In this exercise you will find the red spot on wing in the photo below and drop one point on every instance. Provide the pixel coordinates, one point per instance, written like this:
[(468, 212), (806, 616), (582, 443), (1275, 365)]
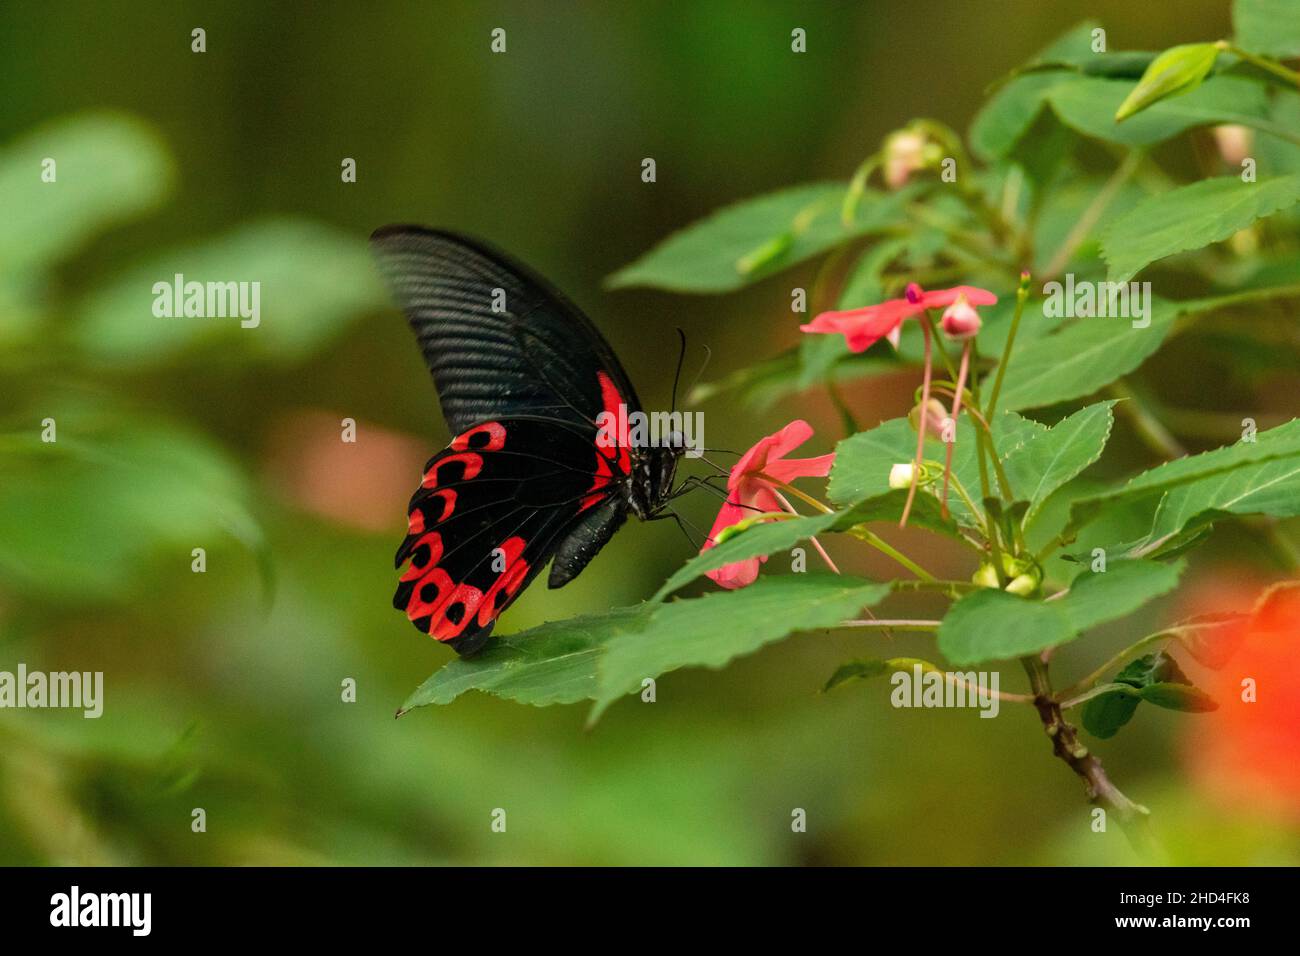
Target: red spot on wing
[(473, 465), (495, 438), (430, 591), (452, 616), (433, 541), (448, 498), (415, 522)]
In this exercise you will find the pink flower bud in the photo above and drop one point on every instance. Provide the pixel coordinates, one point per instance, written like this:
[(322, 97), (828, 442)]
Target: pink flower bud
[(905, 154), (934, 421), (960, 320)]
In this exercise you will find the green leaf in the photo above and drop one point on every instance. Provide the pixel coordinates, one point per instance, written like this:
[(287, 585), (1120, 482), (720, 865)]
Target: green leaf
[(1097, 597), (1282, 442), (1090, 353), (1267, 27), (313, 280), (1048, 460), (1279, 442), (1011, 111), (1190, 217), (110, 168), (1179, 697), (870, 667), (1267, 487), (1088, 105), (703, 257), (1156, 678), (992, 625), (713, 630), (1178, 70), (761, 539), (1104, 715), (858, 670), (554, 663)]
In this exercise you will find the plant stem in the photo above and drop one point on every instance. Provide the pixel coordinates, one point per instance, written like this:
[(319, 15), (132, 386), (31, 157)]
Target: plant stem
[(1264, 63), (1084, 224), (1065, 744), (1149, 428), (894, 625), (884, 547), (1022, 296), (920, 436)]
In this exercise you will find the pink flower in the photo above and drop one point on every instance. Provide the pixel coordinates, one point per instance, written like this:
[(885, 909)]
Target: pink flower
[(751, 490), (863, 328)]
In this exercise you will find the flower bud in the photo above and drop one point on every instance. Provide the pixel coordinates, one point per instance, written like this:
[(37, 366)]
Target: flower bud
[(960, 320), (900, 476), (1024, 576), (905, 154), (935, 419), (1023, 585)]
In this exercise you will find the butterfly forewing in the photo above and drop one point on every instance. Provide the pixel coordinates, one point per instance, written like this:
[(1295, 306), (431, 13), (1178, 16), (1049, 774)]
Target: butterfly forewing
[(499, 340)]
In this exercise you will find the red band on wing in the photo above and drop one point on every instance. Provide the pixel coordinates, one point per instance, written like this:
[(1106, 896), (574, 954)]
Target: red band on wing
[(607, 454)]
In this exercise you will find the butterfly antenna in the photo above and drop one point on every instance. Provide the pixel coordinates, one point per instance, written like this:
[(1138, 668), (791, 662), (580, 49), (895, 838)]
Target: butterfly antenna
[(708, 354), (681, 357)]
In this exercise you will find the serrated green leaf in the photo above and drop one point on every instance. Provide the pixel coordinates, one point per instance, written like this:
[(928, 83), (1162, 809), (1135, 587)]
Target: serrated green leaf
[(713, 630), (1268, 27), (1282, 442), (1174, 72), (703, 257), (759, 540), (1268, 487), (1050, 459), (1090, 353), (992, 625), (553, 663), (1190, 217), (1097, 597), (110, 168)]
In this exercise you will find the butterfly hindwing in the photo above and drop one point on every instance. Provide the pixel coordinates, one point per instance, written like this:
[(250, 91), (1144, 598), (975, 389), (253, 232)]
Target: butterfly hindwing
[(491, 510)]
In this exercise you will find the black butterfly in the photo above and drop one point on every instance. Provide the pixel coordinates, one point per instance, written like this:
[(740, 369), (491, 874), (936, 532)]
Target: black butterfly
[(522, 376)]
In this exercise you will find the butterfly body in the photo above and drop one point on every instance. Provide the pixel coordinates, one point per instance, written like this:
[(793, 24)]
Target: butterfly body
[(541, 468)]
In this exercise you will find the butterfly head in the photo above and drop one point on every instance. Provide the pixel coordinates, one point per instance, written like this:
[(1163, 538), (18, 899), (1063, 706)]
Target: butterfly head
[(653, 475)]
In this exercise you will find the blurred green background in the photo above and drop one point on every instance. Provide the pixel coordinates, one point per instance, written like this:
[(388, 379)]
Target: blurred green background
[(223, 689)]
